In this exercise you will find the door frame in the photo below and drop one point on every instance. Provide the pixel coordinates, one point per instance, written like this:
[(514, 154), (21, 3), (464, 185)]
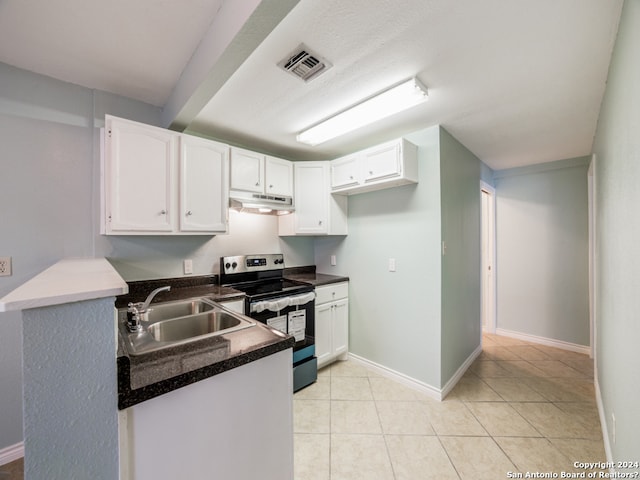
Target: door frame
[(591, 188), (488, 289)]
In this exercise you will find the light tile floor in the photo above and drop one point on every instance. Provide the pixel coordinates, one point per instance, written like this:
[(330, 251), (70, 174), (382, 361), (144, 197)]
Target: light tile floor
[(520, 407)]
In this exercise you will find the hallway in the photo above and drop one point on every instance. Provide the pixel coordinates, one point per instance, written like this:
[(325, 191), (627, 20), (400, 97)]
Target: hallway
[(521, 407)]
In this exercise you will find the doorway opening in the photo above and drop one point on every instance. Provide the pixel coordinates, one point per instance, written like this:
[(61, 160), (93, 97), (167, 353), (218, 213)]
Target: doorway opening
[(488, 257)]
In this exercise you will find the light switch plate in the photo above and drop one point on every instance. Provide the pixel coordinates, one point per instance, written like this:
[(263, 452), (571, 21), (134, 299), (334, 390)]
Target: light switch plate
[(392, 264)]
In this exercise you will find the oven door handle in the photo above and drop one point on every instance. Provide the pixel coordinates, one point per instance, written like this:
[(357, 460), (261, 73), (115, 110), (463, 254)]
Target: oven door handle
[(302, 299), (278, 304)]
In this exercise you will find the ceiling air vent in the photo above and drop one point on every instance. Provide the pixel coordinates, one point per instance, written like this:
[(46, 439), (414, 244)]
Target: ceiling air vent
[(304, 63)]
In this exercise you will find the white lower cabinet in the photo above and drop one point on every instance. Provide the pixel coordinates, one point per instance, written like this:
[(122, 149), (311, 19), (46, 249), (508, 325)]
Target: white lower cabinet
[(332, 322)]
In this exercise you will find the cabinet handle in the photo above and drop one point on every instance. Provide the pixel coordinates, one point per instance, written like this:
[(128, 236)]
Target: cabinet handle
[(370, 172), (163, 212), (320, 222), (257, 184), (350, 177), (189, 213), (270, 186)]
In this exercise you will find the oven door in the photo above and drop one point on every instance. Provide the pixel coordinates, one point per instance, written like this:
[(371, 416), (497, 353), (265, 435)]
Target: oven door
[(294, 315)]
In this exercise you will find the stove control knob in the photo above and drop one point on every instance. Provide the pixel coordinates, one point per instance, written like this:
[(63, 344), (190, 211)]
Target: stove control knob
[(234, 264), (227, 265)]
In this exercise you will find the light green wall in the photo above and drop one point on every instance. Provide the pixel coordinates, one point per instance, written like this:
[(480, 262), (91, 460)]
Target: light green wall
[(542, 247), (395, 316), (422, 320), (617, 181), (46, 202), (460, 205)]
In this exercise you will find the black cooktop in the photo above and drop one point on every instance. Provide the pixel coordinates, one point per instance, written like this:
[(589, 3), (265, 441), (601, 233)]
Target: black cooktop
[(272, 286)]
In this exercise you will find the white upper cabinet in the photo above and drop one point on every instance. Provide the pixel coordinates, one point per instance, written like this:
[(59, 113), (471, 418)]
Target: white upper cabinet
[(388, 165), (258, 173), (317, 211), (158, 182), (140, 177), (203, 207), (278, 176), (247, 170), (345, 172)]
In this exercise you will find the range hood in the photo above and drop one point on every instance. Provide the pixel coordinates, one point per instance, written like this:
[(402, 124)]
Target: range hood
[(260, 203)]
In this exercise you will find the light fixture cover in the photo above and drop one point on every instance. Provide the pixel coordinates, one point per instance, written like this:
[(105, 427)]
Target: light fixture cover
[(384, 104)]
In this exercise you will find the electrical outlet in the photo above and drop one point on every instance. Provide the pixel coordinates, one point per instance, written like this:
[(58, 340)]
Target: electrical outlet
[(5, 266), (392, 264), (333, 261), (188, 266)]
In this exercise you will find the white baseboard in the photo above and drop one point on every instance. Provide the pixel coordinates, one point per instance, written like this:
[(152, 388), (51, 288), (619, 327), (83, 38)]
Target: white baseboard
[(460, 372), (11, 453), (433, 392), (603, 419), (405, 380), (550, 342)]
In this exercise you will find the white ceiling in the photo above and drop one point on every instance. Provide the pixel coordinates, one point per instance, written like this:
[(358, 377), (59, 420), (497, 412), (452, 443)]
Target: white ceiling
[(518, 82)]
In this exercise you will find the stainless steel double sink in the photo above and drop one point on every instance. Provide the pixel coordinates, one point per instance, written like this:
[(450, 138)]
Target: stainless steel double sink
[(180, 322)]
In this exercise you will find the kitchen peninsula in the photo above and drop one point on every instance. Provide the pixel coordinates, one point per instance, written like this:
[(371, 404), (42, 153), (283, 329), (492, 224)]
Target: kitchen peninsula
[(72, 425)]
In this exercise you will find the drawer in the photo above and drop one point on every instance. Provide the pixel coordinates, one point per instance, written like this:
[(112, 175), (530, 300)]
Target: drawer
[(329, 293)]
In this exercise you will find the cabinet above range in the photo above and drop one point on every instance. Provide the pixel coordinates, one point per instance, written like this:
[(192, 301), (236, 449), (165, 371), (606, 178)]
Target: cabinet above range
[(260, 182)]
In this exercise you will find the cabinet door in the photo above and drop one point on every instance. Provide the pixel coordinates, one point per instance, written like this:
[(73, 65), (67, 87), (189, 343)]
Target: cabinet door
[(312, 203), (203, 185), (323, 333), (344, 172), (382, 162), (247, 170), (140, 177), (340, 327), (278, 176)]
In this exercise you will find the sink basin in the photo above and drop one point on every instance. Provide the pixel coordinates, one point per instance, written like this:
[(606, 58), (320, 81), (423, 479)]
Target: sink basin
[(179, 322), (181, 308), (195, 326)]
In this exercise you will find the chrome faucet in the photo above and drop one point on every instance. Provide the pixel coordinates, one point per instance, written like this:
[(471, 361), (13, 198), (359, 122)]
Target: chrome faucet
[(138, 309)]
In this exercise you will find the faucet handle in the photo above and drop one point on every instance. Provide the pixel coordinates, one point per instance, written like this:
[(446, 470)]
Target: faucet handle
[(133, 317), (134, 307)]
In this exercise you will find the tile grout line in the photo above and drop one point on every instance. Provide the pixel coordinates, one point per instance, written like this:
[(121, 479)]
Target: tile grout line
[(384, 435)]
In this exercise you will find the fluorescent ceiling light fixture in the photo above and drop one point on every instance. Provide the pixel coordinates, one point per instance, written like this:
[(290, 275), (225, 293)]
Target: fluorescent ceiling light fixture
[(391, 101)]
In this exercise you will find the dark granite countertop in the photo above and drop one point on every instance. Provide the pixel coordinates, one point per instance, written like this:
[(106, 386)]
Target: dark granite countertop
[(308, 275), (183, 287), (142, 377)]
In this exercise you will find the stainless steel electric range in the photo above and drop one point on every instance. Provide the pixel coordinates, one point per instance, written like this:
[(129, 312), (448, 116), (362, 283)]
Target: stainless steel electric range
[(283, 304)]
